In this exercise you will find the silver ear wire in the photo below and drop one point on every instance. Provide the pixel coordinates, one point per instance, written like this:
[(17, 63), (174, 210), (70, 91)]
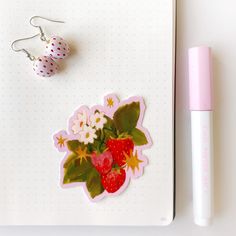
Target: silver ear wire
[(42, 35), (32, 58)]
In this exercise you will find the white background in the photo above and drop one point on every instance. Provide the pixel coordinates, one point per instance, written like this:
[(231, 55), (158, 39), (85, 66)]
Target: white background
[(211, 23)]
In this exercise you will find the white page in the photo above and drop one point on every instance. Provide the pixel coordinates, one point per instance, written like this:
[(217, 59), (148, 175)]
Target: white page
[(122, 47)]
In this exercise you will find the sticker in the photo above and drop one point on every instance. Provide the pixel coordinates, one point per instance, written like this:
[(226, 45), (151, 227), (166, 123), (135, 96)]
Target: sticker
[(103, 147)]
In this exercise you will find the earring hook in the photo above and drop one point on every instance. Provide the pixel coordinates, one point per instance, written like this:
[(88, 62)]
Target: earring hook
[(32, 58), (42, 35)]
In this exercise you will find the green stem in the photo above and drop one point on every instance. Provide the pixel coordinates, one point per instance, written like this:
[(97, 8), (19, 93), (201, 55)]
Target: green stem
[(108, 129)]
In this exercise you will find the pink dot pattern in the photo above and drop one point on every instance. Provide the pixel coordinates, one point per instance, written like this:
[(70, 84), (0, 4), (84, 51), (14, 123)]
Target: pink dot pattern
[(45, 66), (57, 48)]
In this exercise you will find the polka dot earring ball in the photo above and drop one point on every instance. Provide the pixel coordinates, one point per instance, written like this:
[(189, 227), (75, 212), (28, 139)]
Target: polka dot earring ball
[(45, 66), (56, 48)]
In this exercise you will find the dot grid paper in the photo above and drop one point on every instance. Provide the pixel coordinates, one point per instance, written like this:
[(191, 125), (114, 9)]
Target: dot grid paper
[(122, 47)]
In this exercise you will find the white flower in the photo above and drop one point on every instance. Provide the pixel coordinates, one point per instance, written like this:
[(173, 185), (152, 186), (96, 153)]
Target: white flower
[(79, 122), (87, 135), (98, 120)]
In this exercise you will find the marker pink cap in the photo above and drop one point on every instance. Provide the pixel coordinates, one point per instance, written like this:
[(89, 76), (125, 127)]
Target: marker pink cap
[(200, 79)]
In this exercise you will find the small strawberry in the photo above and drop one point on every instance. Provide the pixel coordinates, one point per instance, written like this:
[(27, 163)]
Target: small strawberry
[(102, 162), (119, 147), (113, 180)]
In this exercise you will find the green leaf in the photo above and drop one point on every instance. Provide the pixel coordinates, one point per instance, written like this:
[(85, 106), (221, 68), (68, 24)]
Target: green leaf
[(108, 134), (102, 147), (94, 184), (138, 137), (95, 146), (77, 171), (81, 178), (69, 159), (91, 147), (109, 129), (84, 171), (126, 117), (73, 145), (109, 124)]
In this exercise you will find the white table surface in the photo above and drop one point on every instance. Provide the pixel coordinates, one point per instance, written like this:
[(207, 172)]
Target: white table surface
[(210, 22)]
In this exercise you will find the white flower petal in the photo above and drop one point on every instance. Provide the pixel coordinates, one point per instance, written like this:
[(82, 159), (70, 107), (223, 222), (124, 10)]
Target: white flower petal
[(87, 135), (79, 122), (98, 120)]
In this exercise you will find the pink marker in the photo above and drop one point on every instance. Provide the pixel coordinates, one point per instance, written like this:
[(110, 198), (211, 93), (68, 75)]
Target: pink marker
[(200, 91)]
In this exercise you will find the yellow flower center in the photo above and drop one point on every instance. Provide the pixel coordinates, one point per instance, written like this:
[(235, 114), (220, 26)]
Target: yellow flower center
[(82, 154), (110, 102), (98, 119), (61, 141), (132, 161), (87, 135)]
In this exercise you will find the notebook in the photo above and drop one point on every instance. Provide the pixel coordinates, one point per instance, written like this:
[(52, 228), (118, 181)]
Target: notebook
[(94, 143)]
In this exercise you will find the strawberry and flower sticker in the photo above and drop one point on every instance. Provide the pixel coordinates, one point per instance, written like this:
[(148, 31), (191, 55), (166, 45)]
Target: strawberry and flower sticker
[(103, 147)]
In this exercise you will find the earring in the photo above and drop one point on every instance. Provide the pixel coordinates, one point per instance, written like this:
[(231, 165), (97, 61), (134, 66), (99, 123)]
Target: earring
[(43, 66), (56, 47)]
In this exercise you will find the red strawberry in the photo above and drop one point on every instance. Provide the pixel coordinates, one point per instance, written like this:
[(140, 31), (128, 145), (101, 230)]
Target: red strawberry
[(113, 180), (102, 162), (120, 147)]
